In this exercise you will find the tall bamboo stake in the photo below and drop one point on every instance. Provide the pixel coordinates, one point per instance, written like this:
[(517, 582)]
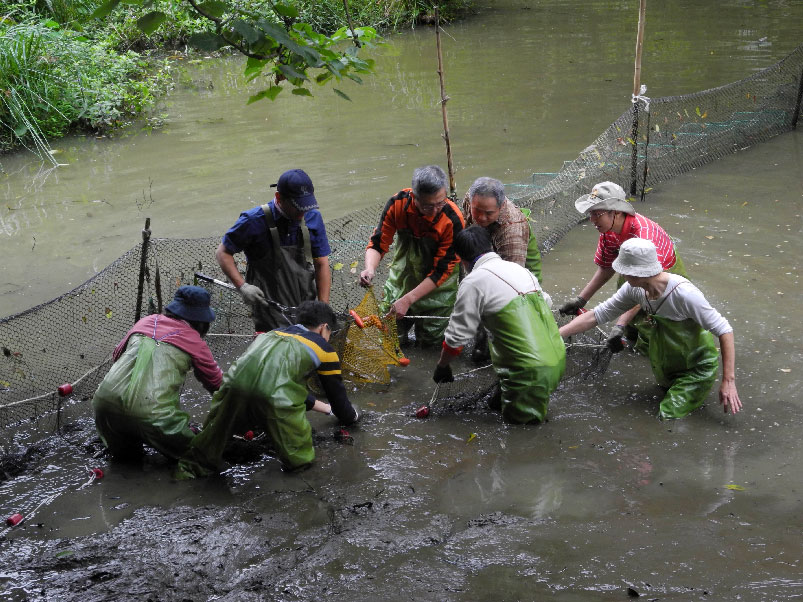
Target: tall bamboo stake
[(642, 12), (636, 90), (143, 263), (444, 99)]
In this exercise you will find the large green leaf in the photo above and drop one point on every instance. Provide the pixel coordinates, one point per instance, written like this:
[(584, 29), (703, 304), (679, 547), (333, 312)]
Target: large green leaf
[(249, 33), (291, 73), (308, 55), (301, 92), (105, 9), (207, 41), (254, 67), (151, 22), (271, 93), (286, 10), (214, 8)]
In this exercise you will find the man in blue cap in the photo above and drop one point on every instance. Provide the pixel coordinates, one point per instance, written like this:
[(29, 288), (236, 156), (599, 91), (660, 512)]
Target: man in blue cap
[(138, 400), (287, 252)]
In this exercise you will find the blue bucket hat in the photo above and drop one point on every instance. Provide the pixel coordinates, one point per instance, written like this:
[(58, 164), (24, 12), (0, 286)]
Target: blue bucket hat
[(296, 186), (192, 303)]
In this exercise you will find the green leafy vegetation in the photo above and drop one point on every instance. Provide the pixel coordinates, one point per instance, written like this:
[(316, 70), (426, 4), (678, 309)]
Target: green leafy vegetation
[(89, 65), (54, 79)]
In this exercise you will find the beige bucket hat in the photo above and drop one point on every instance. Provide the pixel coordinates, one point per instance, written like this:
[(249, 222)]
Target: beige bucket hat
[(637, 257), (605, 195)]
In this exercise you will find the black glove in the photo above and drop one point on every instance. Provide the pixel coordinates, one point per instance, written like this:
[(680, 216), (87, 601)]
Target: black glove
[(443, 374), (614, 340), (572, 307)]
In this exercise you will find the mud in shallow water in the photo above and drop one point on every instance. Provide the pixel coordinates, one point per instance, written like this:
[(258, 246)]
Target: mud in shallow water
[(460, 506)]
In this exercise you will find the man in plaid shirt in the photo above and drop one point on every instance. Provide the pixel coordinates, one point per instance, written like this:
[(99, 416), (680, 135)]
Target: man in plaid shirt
[(486, 205)]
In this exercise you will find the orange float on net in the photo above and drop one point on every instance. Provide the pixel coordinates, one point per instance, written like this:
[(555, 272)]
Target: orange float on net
[(357, 319)]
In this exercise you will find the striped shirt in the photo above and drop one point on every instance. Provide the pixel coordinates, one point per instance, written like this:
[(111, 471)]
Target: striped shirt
[(400, 213), (635, 226), (327, 366)]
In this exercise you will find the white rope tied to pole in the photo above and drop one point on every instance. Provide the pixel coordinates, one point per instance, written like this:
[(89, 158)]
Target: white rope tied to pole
[(642, 97)]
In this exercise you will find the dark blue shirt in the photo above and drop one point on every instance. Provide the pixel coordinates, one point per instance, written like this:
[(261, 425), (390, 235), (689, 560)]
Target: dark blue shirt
[(250, 232)]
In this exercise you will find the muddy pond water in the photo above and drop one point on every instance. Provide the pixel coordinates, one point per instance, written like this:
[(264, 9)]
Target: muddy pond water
[(601, 498)]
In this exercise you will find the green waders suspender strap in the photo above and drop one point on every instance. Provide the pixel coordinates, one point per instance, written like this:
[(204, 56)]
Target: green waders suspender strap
[(273, 232)]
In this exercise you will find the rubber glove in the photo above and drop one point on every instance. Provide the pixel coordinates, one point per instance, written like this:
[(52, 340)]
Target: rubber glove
[(443, 374), (252, 295), (614, 340), (572, 307)]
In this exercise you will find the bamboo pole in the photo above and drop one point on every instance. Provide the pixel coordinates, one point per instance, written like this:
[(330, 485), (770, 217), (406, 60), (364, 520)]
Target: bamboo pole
[(642, 13), (444, 99), (636, 90), (143, 259)]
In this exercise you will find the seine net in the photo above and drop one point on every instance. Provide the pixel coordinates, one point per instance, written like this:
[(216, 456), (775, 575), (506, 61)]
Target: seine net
[(70, 339)]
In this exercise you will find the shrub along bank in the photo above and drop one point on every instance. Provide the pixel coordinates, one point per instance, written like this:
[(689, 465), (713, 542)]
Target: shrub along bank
[(62, 70)]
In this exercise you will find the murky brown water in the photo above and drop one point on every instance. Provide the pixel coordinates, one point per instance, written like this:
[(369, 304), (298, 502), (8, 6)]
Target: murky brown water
[(601, 498)]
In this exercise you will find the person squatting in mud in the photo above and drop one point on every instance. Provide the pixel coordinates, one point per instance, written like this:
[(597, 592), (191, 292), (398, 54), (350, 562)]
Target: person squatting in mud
[(681, 346), (138, 400), (527, 353), (266, 388)]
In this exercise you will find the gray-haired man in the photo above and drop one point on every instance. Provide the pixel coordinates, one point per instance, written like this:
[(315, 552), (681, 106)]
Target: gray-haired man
[(422, 278)]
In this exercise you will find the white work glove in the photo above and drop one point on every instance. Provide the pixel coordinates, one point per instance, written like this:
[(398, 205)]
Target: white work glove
[(252, 295)]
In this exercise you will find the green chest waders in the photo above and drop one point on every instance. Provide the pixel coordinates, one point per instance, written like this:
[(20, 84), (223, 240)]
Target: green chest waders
[(264, 389), (684, 358), (412, 261), (138, 400), (285, 274), (533, 261), (638, 329), (528, 356)]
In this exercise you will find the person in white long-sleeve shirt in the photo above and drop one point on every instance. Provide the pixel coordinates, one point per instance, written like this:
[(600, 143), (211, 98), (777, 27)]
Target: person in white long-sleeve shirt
[(682, 351), (527, 353)]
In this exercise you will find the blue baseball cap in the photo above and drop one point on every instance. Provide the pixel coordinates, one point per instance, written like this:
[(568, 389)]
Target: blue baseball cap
[(296, 186), (192, 303)]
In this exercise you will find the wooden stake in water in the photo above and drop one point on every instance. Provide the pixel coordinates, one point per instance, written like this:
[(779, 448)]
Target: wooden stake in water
[(636, 92), (444, 99)]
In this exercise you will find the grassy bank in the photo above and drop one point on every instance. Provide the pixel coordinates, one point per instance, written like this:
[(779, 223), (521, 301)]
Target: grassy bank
[(62, 71)]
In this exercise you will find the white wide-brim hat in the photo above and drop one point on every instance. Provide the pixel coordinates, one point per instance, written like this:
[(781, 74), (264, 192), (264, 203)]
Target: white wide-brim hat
[(637, 257), (605, 196)]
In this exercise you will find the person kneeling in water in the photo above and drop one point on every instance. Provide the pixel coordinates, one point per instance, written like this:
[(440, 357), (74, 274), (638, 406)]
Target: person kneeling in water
[(527, 353), (681, 348), (266, 388)]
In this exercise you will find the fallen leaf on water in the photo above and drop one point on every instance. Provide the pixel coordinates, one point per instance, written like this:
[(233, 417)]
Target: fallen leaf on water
[(471, 437), (353, 264), (573, 446), (785, 369), (710, 237), (734, 487), (744, 204), (337, 266), (64, 553)]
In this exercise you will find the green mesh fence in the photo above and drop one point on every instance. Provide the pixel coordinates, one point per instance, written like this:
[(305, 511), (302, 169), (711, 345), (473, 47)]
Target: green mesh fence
[(70, 339)]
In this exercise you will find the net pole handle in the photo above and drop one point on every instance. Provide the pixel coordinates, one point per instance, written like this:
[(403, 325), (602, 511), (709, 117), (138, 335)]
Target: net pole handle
[(143, 258)]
